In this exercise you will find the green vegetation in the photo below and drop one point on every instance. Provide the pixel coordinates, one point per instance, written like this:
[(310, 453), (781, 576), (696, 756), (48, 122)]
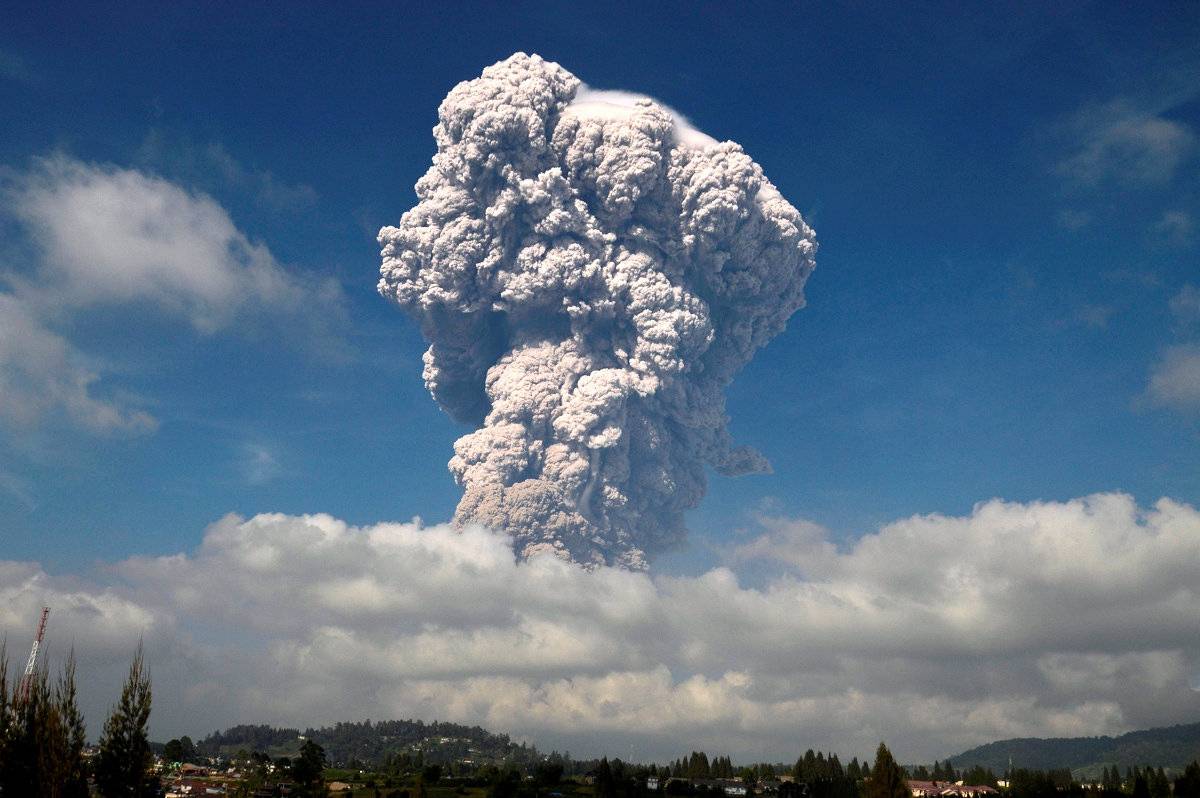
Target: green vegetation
[(42, 738), (42, 744), (887, 778), (372, 743), (123, 763), (1170, 747)]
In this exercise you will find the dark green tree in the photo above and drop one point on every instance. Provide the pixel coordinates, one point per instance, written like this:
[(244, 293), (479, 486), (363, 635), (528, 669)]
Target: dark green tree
[(73, 734), (978, 775), (606, 786), (548, 774), (506, 783), (5, 706), (887, 778), (173, 751), (123, 763), (1187, 785), (1108, 785), (27, 759), (187, 749), (1141, 787), (1031, 784), (1159, 786), (41, 736), (308, 770)]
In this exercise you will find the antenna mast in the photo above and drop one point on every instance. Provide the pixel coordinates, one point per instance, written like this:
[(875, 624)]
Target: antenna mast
[(31, 665)]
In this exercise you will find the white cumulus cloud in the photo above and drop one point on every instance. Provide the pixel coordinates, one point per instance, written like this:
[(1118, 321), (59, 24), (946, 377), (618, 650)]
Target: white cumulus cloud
[(934, 632), (106, 236)]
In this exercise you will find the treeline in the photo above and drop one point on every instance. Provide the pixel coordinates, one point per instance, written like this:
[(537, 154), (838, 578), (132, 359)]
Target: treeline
[(1172, 747), (976, 775), (304, 774), (1144, 782), (824, 775), (42, 738), (42, 735), (372, 743)]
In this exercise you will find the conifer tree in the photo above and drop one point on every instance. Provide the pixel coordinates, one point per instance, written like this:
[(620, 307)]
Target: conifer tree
[(41, 736), (5, 718), (1188, 784), (887, 778), (1159, 786), (23, 761), (74, 733), (309, 767), (1141, 788), (605, 786), (123, 764)]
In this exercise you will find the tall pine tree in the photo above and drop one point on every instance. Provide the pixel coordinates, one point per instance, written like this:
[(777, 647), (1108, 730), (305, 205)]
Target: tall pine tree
[(74, 734), (123, 764), (887, 778)]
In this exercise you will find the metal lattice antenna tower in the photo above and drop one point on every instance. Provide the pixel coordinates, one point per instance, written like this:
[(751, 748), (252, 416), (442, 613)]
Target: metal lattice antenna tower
[(31, 665)]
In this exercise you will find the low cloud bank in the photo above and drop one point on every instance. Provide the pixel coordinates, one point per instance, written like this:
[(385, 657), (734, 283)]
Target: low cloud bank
[(934, 632)]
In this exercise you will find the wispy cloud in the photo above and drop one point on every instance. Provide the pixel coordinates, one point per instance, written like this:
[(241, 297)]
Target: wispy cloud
[(257, 464), (1125, 142), (1175, 378), (107, 236), (1074, 219), (1138, 278), (17, 487), (1176, 228), (42, 373), (13, 67), (1185, 306), (212, 167), (1093, 316)]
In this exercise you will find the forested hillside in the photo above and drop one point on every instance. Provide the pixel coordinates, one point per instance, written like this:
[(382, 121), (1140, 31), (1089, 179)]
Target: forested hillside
[(372, 743), (1169, 747)]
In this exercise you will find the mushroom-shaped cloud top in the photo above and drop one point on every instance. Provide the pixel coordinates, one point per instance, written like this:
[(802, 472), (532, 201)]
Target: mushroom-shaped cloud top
[(591, 271)]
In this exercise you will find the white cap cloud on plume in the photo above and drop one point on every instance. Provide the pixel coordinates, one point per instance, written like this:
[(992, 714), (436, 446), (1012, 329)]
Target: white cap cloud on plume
[(591, 272)]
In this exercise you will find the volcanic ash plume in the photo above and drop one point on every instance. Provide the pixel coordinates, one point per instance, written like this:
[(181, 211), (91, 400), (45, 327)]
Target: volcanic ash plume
[(591, 272)]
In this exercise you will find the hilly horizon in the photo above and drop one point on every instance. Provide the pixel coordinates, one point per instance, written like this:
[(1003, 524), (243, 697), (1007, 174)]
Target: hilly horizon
[(372, 742), (1169, 747)]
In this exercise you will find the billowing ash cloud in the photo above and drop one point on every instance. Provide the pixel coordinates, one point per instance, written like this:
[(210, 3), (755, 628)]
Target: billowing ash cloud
[(591, 272)]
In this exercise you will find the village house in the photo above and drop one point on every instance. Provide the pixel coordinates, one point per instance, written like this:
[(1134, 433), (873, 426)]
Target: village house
[(728, 786), (947, 789)]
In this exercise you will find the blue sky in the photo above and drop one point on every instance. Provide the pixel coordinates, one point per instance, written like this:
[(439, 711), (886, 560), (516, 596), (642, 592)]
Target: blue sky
[(983, 321), (1005, 302)]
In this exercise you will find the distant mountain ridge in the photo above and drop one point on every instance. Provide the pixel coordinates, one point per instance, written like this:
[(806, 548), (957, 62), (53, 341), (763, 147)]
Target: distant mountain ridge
[(1171, 747)]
